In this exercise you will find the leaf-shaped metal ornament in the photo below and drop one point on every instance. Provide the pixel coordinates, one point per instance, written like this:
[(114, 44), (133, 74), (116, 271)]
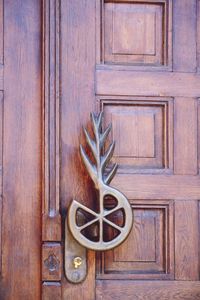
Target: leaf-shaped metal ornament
[(101, 180)]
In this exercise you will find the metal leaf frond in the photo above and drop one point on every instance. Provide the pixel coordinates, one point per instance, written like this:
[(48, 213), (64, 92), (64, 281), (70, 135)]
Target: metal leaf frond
[(97, 172)]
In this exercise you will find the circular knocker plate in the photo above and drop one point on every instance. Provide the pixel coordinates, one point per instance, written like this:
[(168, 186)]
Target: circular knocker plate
[(100, 230)]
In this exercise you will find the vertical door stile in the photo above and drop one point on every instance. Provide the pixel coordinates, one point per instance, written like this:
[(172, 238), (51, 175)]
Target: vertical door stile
[(51, 225)]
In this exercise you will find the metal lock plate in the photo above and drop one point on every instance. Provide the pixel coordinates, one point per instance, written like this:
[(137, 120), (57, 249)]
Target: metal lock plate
[(75, 258)]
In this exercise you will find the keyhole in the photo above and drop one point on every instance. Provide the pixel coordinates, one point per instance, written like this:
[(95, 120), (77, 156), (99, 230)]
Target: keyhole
[(77, 261)]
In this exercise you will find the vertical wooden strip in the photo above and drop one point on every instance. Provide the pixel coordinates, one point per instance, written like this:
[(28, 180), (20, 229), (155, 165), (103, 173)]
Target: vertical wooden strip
[(185, 136), (98, 29), (168, 27), (1, 172), (1, 125), (198, 35), (77, 78), (1, 140), (22, 150), (51, 227), (51, 291), (51, 217), (1, 31), (198, 131), (184, 36), (186, 240)]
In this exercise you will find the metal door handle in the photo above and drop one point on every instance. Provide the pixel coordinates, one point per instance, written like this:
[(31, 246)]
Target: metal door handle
[(101, 180), (78, 233)]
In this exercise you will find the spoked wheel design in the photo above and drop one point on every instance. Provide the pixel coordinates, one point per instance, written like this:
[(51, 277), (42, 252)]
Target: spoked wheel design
[(100, 219)]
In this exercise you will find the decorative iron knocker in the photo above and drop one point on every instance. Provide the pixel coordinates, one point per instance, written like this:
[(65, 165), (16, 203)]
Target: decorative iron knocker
[(101, 180)]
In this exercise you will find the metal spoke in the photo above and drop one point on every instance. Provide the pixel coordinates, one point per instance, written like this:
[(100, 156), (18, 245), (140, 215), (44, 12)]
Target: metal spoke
[(87, 224), (107, 213), (113, 225), (88, 210), (101, 230)]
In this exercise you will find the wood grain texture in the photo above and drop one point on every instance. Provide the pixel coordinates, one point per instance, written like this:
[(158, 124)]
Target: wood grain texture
[(113, 82), (1, 32), (186, 240), (51, 291), (1, 77), (184, 35), (1, 173), (185, 136), (133, 33), (145, 186), (77, 77), (198, 132), (22, 150), (198, 35), (77, 101), (147, 290)]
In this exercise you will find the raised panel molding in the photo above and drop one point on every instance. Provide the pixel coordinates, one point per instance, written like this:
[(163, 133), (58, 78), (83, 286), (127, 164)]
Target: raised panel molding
[(143, 131), (135, 32), (152, 230)]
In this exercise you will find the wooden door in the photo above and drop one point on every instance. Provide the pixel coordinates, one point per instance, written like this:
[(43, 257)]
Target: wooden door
[(138, 62)]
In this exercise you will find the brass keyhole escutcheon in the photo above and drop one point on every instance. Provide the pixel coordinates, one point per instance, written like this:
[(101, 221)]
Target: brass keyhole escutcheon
[(77, 261)]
